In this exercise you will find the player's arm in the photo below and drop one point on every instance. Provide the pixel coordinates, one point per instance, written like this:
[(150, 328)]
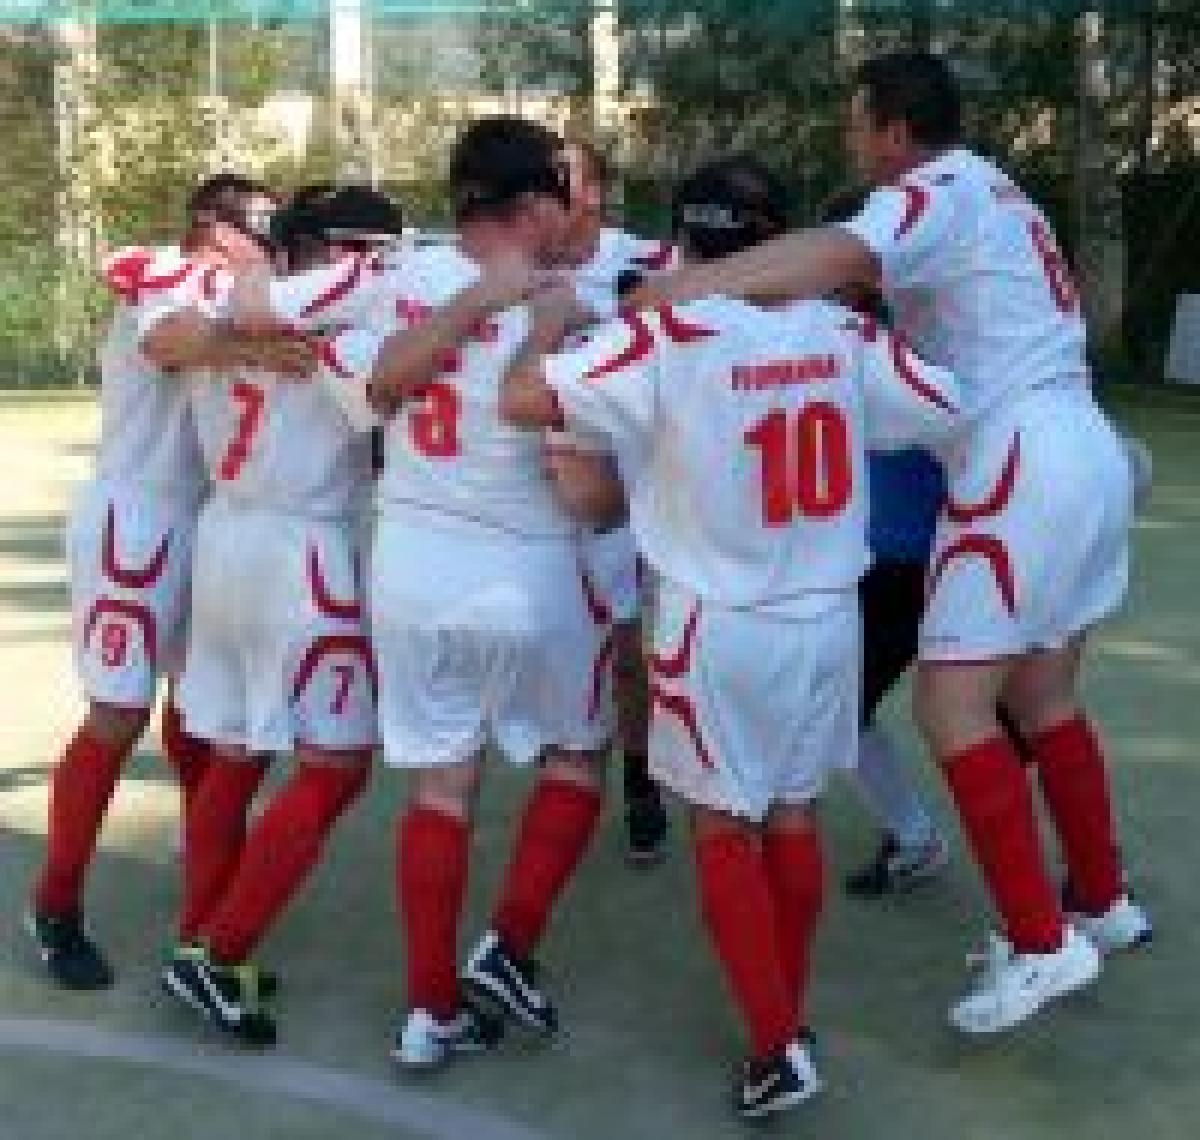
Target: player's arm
[(586, 481), (413, 356), (805, 263), (908, 402), (526, 397), (189, 340)]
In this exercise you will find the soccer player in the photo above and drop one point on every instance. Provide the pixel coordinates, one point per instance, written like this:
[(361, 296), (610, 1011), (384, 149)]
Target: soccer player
[(605, 259), (1032, 550), (279, 660), (477, 607), (129, 545), (741, 435)]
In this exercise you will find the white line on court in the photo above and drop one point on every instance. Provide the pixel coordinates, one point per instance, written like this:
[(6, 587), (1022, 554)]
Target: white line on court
[(377, 1101)]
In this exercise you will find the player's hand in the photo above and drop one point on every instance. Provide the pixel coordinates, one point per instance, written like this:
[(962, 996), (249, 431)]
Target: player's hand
[(283, 353), (555, 313)]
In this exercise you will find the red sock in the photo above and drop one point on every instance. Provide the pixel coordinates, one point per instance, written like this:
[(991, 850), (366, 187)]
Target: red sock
[(432, 850), (187, 755), (739, 913), (796, 872), (81, 788), (1070, 764), (992, 794), (282, 847), (556, 828), (213, 833)]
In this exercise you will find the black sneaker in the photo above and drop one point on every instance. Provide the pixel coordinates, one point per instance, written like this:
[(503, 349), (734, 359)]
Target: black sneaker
[(898, 867), (506, 986), (71, 958), (424, 1042), (646, 828), (762, 1088), (258, 982), (193, 978)]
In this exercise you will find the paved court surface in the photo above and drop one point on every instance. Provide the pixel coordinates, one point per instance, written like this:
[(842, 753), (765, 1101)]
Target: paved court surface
[(650, 1036)]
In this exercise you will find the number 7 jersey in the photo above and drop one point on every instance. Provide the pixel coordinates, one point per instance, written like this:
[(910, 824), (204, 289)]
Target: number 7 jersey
[(742, 434)]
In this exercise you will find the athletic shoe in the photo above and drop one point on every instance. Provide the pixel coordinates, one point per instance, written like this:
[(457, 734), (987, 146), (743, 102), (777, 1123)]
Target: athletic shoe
[(899, 867), (218, 993), (423, 1042), (646, 828), (71, 958), (506, 986), (1124, 926), (1012, 987), (782, 1081), (258, 982)]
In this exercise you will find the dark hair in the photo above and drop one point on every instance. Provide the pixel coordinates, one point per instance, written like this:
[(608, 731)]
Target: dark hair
[(842, 205), (223, 194), (916, 88), (499, 159), (728, 205)]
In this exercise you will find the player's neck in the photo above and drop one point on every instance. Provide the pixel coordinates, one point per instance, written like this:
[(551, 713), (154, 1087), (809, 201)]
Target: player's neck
[(483, 242), (917, 157), (584, 242)]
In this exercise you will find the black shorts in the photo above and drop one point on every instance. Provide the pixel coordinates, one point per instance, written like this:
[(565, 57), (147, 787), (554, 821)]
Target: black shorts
[(892, 596)]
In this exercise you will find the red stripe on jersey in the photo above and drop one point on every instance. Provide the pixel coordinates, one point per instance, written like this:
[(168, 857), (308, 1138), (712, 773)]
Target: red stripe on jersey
[(323, 599), (354, 644), (327, 354), (638, 348), (675, 665), (134, 612), (902, 359), (679, 330), (598, 608), (135, 578), (683, 709), (962, 513), (124, 271), (337, 290), (917, 199), (658, 259), (980, 546)]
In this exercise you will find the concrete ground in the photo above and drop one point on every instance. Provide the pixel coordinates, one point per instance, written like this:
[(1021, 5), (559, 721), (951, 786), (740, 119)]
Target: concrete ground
[(650, 1034)]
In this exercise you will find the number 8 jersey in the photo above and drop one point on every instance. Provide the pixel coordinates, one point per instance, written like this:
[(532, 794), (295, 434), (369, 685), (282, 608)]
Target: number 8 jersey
[(741, 433)]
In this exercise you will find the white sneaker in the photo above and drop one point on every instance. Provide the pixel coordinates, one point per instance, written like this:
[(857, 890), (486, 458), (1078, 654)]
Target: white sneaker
[(1124, 926), (1013, 987), (424, 1042)]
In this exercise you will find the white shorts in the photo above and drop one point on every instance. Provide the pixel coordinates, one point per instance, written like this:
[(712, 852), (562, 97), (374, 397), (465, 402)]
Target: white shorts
[(751, 708), (278, 654), (130, 556), (613, 565), (1033, 546), (481, 634)]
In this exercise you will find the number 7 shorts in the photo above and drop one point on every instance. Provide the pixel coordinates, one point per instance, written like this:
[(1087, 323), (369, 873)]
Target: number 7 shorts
[(278, 653), (753, 707), (130, 557)]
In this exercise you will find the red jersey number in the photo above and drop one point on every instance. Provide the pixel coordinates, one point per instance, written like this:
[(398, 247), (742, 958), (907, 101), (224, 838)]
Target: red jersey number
[(804, 462), (250, 401), (433, 422)]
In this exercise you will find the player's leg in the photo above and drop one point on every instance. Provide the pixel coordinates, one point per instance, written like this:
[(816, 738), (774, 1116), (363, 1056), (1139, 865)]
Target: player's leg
[(81, 788), (1040, 957), (433, 840), (186, 754), (1066, 750), (554, 833), (645, 814), (912, 848)]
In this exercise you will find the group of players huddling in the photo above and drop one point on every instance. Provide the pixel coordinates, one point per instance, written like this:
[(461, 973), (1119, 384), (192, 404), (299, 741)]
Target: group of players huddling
[(547, 444)]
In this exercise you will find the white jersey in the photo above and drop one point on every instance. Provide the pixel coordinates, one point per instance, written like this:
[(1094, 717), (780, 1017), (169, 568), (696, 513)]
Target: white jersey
[(147, 438), (618, 252), (447, 449), (742, 435), (976, 279)]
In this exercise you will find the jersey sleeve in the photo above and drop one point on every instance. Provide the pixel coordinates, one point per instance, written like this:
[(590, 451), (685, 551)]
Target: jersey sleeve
[(910, 229), (609, 384), (346, 364), (908, 403), (329, 296)]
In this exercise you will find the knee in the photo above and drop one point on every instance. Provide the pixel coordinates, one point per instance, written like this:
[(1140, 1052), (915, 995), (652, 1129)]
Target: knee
[(451, 791), (581, 769), (117, 726)]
